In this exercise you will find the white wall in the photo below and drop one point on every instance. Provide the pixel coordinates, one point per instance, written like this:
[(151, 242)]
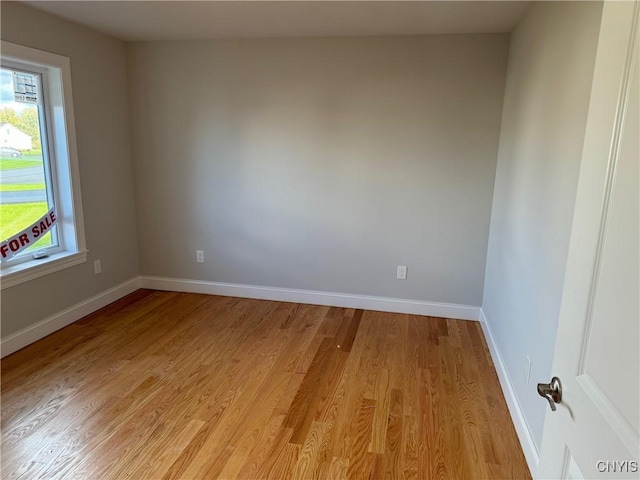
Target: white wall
[(319, 164), (549, 76), (98, 70)]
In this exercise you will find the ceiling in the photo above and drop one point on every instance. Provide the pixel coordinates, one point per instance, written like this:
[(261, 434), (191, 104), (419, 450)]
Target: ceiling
[(189, 20)]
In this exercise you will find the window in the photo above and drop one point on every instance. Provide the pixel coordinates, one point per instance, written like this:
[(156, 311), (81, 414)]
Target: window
[(39, 182)]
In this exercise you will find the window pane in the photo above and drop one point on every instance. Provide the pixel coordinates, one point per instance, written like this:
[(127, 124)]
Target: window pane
[(25, 194)]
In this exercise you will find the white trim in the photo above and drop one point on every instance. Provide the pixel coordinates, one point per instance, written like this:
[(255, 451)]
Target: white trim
[(34, 268), (24, 337), (383, 304), (522, 429)]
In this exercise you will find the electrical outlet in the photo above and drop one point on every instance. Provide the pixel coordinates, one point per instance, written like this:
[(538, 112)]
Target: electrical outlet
[(528, 370), (97, 267), (199, 256), (401, 273)]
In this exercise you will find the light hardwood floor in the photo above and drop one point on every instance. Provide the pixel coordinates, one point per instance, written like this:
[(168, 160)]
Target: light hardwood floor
[(171, 385)]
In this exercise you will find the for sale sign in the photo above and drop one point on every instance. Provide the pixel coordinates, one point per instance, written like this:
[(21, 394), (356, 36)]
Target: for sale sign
[(24, 239)]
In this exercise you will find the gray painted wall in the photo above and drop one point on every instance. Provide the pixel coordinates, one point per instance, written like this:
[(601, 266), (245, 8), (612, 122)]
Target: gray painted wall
[(98, 70), (551, 63), (319, 163)]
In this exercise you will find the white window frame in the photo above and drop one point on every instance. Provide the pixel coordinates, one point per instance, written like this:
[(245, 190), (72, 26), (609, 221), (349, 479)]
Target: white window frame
[(61, 165), (49, 163)]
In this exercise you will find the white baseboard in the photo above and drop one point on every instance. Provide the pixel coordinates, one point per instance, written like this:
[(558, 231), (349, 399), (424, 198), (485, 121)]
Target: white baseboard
[(522, 429), (395, 305), (35, 332)]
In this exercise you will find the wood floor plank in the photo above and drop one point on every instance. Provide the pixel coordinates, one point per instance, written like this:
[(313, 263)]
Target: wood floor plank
[(158, 456), (281, 458), (393, 451), (410, 448), (347, 332), (361, 461), (298, 411), (338, 468), (163, 385), (258, 456), (382, 396), (435, 455), (322, 393), (308, 457)]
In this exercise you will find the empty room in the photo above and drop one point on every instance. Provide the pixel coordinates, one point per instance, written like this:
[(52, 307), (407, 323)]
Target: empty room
[(320, 239)]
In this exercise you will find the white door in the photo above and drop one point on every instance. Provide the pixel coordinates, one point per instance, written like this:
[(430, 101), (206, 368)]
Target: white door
[(594, 432)]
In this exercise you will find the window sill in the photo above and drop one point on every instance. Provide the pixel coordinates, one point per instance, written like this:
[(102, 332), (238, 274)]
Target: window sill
[(23, 272)]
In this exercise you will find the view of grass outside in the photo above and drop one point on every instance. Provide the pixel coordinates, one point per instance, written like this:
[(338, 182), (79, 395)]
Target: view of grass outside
[(14, 164), (21, 187), (18, 215)]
